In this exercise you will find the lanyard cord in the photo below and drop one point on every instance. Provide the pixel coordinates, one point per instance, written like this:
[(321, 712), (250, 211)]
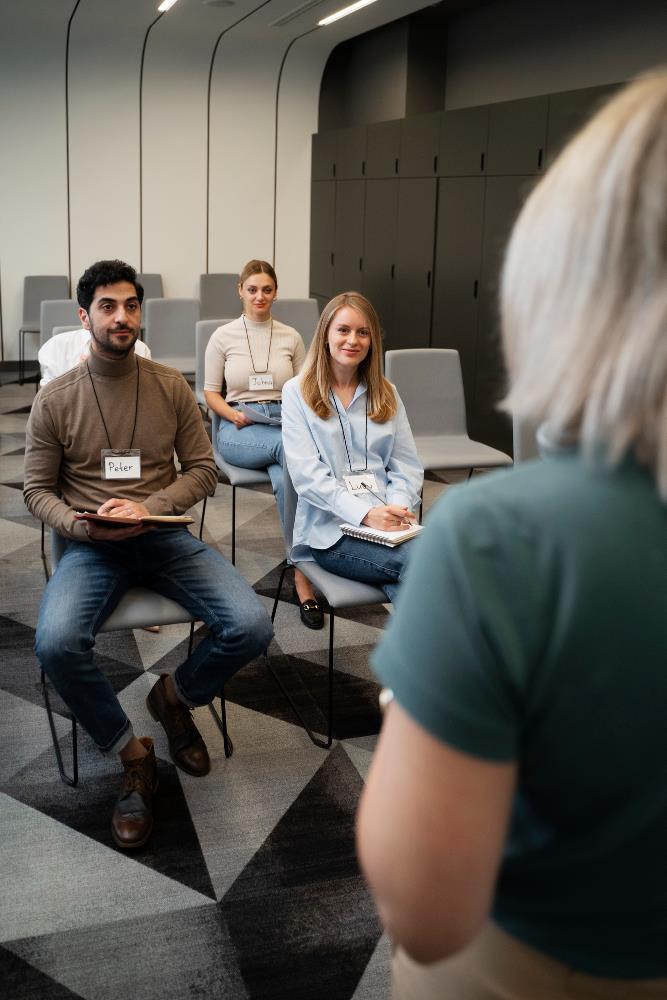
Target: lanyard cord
[(136, 408), (340, 420), (252, 360)]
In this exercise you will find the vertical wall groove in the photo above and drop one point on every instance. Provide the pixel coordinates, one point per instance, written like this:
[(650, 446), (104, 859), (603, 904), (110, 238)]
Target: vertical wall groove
[(141, 142), (69, 207)]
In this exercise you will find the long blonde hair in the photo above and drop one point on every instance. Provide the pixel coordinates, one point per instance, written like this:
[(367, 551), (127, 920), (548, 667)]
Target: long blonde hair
[(584, 286), (316, 377)]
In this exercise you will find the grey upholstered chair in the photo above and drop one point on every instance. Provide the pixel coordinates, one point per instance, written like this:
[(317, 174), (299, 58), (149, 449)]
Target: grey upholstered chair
[(152, 285), (170, 331), (57, 312), (136, 609), (36, 288), (219, 295), (337, 591), (430, 384), (203, 331), (236, 475), (302, 314)]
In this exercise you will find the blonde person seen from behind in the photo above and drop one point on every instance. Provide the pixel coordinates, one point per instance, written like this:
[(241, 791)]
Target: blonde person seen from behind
[(254, 356), (349, 449), (514, 824)]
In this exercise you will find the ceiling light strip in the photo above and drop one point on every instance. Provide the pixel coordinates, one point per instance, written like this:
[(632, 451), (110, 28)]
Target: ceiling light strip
[(345, 11), (166, 5)]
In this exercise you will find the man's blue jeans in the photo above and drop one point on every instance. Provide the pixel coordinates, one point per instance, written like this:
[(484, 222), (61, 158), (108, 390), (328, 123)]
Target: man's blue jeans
[(89, 581), (257, 446), (367, 562)]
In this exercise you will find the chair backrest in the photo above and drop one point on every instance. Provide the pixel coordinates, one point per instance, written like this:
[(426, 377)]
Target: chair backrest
[(219, 295), (57, 312), (152, 285), (302, 314), (64, 329), (430, 383), (170, 331), (525, 442), (36, 288), (203, 330)]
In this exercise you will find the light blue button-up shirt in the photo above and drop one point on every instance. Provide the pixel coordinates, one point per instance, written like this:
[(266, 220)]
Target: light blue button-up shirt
[(317, 460)]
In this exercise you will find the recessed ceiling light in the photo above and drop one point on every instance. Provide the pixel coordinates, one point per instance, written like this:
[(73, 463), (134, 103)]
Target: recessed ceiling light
[(218, 3), (345, 11), (166, 5)]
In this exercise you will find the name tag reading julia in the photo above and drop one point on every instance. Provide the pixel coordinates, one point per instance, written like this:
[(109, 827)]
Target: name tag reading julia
[(264, 381), (121, 464), (360, 482)]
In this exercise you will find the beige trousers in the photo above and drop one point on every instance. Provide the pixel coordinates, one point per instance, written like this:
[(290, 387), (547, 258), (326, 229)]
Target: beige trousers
[(498, 967)]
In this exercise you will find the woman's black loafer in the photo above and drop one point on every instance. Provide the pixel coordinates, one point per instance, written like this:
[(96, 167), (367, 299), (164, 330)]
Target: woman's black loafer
[(311, 614)]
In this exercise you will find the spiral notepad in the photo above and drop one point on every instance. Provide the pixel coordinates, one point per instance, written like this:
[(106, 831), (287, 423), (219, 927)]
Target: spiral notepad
[(390, 538)]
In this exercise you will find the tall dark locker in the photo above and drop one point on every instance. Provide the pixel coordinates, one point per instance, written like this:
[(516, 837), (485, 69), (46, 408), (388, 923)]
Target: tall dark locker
[(322, 223), (350, 152), (517, 136), (323, 156), (463, 141), (383, 143), (568, 112), (413, 273), (380, 226), (458, 262), (504, 197), (420, 136), (349, 239)]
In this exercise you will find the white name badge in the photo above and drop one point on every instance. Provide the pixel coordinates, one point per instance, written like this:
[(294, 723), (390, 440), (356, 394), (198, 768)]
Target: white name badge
[(360, 482), (121, 464), (264, 381)]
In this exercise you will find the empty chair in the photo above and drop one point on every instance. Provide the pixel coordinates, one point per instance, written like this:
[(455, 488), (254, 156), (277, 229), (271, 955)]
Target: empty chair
[(170, 331), (203, 330), (302, 314), (58, 312), (430, 384), (218, 295), (37, 287), (152, 285)]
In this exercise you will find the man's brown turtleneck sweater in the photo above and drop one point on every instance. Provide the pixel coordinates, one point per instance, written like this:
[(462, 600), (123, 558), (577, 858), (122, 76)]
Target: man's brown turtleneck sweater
[(66, 435)]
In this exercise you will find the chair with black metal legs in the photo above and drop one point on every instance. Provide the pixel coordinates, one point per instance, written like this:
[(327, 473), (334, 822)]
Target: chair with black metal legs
[(236, 475), (137, 608), (37, 287), (337, 591)]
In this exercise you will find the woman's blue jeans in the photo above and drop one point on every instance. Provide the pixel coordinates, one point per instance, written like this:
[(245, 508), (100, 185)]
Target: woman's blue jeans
[(257, 446), (367, 562), (88, 583)]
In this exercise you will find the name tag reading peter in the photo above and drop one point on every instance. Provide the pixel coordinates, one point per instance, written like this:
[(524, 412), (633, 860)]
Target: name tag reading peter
[(264, 381), (121, 464)]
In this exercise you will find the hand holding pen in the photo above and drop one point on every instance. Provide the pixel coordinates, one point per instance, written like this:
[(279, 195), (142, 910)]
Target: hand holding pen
[(388, 517)]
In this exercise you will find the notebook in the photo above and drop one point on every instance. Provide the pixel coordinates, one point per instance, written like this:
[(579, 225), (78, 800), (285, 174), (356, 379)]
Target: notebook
[(110, 519), (390, 538)]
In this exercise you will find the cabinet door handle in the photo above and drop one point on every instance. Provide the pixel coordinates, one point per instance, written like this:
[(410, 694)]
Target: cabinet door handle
[(332, 259), (481, 163), (428, 280), (392, 272), (333, 169), (396, 165), (361, 263), (435, 164), (474, 289), (539, 158), (363, 168)]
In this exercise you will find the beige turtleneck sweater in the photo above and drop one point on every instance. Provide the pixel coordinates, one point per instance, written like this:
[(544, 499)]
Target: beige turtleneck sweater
[(65, 437)]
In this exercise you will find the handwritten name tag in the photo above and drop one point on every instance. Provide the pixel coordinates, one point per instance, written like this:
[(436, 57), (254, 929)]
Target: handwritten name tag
[(360, 482), (121, 464), (264, 381)]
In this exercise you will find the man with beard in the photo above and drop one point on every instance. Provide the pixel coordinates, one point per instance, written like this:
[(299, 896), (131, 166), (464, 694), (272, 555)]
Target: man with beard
[(102, 438)]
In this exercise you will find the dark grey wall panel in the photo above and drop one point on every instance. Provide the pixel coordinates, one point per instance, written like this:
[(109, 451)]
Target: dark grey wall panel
[(380, 228), (349, 238), (383, 145), (350, 152), (322, 231), (517, 136), (420, 138), (463, 142), (413, 275)]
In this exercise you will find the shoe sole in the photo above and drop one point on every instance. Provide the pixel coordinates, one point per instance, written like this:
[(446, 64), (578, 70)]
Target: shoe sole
[(181, 767), (123, 845), (315, 628)]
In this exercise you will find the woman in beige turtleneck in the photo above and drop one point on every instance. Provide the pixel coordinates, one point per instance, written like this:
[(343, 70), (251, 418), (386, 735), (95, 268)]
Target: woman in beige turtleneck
[(253, 357)]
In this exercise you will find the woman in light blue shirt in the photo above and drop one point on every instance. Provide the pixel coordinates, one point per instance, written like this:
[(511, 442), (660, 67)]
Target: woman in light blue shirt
[(342, 418)]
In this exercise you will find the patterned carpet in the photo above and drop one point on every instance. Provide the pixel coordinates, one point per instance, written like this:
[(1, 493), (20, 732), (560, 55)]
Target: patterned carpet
[(249, 887)]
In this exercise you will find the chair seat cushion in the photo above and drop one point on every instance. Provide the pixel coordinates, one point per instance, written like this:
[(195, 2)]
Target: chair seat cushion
[(140, 607), (338, 591), (239, 476), (457, 451)]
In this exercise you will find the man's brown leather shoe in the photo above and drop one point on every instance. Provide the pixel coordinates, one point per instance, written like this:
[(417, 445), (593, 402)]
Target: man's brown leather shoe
[(187, 748), (132, 820)]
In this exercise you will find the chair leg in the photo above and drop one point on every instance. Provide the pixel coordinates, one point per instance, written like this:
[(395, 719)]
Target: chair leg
[(221, 722), (470, 474), (421, 505), (68, 780), (233, 526), (279, 590), (21, 355), (203, 515)]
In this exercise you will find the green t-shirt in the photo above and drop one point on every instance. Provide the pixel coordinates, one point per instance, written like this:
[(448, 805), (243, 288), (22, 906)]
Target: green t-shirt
[(533, 626)]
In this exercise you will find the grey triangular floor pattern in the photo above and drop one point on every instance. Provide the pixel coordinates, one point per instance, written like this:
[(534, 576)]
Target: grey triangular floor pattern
[(249, 888)]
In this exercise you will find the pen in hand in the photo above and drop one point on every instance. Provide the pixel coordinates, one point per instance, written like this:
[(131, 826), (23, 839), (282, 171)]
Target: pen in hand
[(366, 487)]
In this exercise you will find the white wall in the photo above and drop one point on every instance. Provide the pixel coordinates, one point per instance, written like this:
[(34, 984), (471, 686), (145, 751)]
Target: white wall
[(518, 48)]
